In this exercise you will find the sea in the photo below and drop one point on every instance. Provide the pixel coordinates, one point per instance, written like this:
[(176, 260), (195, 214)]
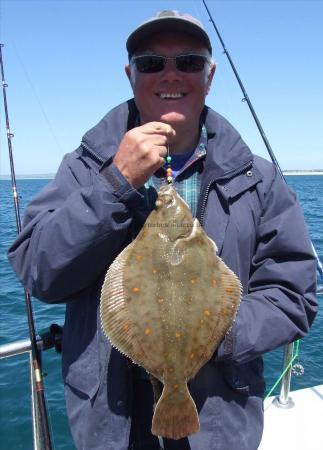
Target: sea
[(15, 410)]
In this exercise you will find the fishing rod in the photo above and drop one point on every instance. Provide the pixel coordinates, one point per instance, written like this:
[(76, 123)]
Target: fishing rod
[(35, 352), (254, 115)]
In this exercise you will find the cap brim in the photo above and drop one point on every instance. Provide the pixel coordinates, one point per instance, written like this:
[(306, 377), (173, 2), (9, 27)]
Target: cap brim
[(142, 33)]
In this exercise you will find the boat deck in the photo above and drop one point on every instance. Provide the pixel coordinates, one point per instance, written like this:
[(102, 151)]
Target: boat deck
[(299, 427)]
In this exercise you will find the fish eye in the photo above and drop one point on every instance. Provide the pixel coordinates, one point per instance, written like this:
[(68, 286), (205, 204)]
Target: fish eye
[(167, 199)]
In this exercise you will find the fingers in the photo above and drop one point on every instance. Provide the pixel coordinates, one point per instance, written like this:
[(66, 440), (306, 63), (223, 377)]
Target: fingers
[(142, 151), (162, 134), (158, 128), (162, 150)]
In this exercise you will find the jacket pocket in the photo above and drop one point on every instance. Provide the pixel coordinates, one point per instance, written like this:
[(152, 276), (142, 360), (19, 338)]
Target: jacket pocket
[(247, 378)]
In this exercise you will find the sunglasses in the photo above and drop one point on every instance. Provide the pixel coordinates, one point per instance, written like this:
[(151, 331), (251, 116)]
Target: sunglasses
[(188, 63)]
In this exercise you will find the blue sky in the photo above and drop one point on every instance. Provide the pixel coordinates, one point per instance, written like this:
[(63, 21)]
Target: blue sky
[(64, 64)]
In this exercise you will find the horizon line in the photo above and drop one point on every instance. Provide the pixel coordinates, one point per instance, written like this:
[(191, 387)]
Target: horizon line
[(51, 175)]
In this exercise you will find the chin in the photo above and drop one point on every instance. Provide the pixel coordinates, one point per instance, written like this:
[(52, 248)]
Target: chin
[(173, 118)]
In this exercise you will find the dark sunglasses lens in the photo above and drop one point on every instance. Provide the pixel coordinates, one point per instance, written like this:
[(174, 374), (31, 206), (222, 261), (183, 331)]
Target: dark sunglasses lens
[(190, 63), (149, 63)]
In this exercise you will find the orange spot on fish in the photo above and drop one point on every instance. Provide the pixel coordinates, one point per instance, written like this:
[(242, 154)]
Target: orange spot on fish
[(154, 270), (214, 282), (138, 257), (206, 312), (193, 280), (229, 290), (178, 334), (147, 331), (136, 290), (125, 327), (189, 301), (191, 355), (175, 387), (160, 300)]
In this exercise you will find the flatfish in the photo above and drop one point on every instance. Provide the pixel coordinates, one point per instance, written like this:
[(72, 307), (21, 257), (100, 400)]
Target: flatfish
[(166, 303)]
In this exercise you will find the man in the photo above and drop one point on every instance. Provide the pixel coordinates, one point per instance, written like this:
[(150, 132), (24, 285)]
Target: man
[(100, 199)]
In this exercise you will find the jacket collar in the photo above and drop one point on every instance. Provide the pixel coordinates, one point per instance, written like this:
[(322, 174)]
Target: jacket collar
[(104, 138), (226, 151)]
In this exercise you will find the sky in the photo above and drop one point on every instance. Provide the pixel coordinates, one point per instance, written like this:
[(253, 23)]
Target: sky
[(64, 64)]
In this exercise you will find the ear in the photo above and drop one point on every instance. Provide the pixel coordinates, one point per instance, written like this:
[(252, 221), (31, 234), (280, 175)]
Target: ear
[(210, 78), (127, 69)]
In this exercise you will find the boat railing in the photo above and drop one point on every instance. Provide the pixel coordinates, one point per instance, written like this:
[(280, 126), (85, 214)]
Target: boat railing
[(283, 400), (51, 338)]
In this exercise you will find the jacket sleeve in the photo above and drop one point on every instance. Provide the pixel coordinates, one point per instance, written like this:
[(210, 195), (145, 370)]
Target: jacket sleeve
[(73, 230), (280, 304)]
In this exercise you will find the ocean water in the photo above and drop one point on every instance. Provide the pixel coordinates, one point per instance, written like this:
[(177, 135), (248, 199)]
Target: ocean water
[(15, 417)]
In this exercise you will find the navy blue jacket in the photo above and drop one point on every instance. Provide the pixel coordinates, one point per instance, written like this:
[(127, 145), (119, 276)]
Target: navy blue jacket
[(81, 221)]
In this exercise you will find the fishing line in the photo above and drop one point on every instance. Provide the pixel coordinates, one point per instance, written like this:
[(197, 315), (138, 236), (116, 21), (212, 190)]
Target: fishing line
[(35, 352), (42, 109)]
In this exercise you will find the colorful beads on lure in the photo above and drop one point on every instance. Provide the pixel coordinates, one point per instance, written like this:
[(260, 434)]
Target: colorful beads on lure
[(169, 176)]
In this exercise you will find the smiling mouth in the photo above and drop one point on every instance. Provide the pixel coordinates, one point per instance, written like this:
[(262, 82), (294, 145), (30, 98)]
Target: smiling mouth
[(170, 96)]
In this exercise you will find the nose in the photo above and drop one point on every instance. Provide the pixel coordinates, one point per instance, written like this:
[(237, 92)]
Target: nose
[(170, 71)]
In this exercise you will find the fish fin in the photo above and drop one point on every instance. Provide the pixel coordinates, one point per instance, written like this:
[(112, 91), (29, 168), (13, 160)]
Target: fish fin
[(197, 230), (175, 420), (113, 310)]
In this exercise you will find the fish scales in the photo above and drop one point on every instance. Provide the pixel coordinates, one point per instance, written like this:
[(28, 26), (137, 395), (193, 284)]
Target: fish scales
[(167, 302)]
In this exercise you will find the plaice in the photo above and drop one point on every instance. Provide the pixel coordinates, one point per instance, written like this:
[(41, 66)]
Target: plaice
[(167, 301)]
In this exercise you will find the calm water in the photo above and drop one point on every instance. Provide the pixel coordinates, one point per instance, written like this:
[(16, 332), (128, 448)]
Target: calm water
[(15, 419)]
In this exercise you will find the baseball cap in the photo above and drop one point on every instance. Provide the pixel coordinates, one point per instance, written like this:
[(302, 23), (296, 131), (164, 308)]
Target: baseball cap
[(169, 20)]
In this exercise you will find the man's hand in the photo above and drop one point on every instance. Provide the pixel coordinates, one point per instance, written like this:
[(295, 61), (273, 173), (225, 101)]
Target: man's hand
[(142, 151)]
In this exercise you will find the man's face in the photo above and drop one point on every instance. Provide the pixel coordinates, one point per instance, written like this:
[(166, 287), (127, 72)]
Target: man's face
[(192, 88)]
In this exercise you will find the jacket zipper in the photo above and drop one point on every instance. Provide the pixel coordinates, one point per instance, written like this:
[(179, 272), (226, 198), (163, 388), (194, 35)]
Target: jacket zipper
[(92, 152), (227, 177)]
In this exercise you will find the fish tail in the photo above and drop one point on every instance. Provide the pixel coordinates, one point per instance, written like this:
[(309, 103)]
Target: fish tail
[(175, 417)]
